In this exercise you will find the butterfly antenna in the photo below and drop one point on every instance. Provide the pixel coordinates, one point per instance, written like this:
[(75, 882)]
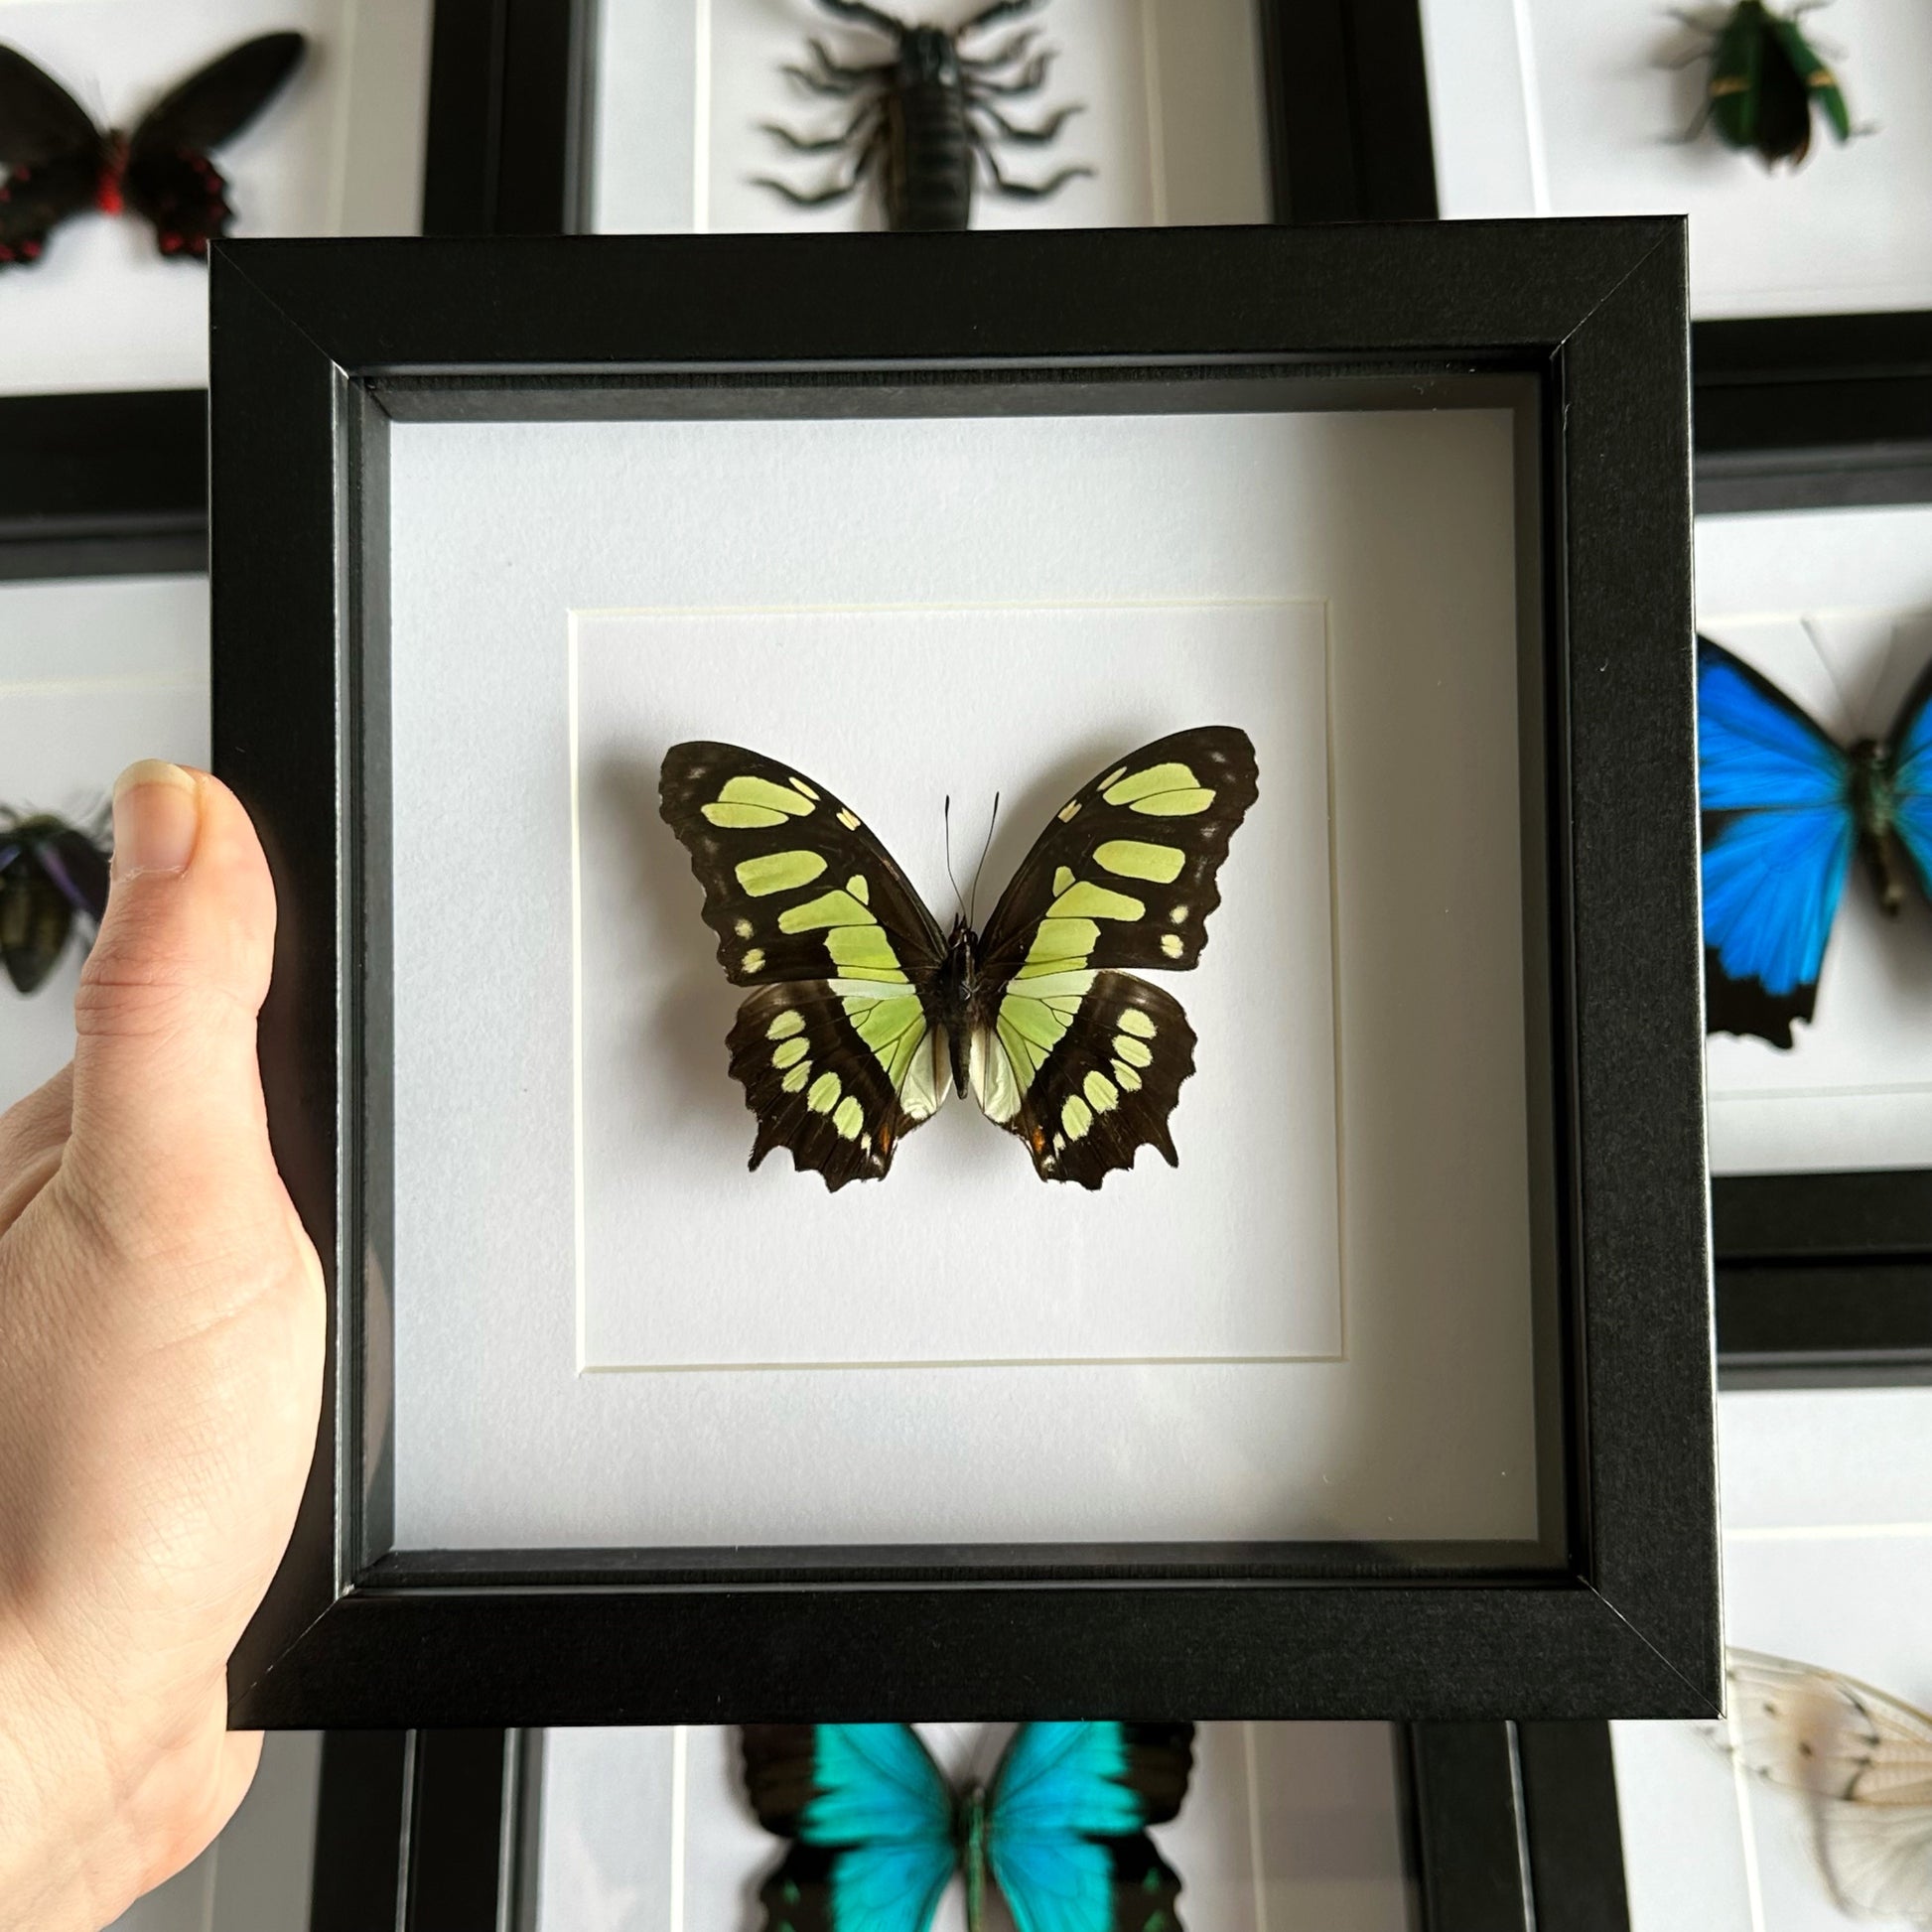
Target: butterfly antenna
[(973, 898), (946, 814)]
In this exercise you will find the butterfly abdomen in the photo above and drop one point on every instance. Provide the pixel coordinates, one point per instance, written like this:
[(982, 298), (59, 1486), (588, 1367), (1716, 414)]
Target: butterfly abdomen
[(1874, 806)]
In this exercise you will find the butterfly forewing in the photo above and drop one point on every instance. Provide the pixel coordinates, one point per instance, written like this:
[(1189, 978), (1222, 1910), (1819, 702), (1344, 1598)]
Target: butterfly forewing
[(1778, 834), (871, 1820), (1863, 1761), (1125, 872)]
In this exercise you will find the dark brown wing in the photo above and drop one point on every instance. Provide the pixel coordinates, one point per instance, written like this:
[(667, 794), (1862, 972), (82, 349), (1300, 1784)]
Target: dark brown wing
[(170, 178), (795, 886), (1085, 1069), (52, 152), (838, 1078), (1125, 872)]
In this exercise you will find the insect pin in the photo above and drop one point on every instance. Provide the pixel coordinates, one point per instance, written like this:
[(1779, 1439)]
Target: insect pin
[(58, 163), (924, 120), (49, 872), (1764, 78)]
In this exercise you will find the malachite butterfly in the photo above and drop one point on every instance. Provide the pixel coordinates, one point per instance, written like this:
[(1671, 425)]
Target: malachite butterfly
[(864, 1012)]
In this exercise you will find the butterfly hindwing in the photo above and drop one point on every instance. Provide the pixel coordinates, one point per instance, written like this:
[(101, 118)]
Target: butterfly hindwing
[(1862, 1760), (1778, 834), (837, 1073), (1067, 1825), (1085, 1068), (871, 1822), (52, 152), (1912, 779), (170, 178), (1124, 874)]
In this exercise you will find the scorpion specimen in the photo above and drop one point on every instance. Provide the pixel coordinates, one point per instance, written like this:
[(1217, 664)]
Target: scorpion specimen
[(928, 117)]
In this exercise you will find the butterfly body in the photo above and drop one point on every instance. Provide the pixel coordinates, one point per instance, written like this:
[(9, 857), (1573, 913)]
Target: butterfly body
[(876, 1831), (1784, 810), (58, 163), (864, 1014)]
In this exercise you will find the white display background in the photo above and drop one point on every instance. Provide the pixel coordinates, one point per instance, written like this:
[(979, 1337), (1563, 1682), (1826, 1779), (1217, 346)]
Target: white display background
[(340, 151), (1828, 1559), (1239, 1263), (1834, 606), (1566, 108), (94, 673), (1402, 524), (1284, 1825), (1172, 122)]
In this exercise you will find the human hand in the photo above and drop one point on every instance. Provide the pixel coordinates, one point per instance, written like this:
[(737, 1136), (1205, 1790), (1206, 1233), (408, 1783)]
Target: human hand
[(161, 1351)]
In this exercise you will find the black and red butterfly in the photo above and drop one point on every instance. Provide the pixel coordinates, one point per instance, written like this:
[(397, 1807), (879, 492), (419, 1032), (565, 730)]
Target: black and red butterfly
[(58, 163)]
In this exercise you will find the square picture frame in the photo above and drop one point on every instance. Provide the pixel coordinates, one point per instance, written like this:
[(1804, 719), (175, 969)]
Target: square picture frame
[(1822, 1278), (322, 351), (1504, 1826)]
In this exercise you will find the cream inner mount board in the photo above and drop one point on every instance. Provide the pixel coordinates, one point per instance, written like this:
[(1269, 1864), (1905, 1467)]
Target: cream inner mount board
[(910, 608), (1038, 1273)]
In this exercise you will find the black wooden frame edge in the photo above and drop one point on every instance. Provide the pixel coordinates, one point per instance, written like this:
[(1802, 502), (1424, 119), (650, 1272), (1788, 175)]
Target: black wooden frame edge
[(1823, 1279), (1345, 95), (100, 484), (1507, 1826), (1605, 297)]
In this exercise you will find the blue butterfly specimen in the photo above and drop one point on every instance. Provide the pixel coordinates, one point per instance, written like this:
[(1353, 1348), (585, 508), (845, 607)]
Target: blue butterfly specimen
[(877, 1833), (1784, 808)]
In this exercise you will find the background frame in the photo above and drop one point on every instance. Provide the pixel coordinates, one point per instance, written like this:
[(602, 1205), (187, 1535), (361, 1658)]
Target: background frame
[(1511, 1827), (1344, 92), (1821, 1278), (319, 347)]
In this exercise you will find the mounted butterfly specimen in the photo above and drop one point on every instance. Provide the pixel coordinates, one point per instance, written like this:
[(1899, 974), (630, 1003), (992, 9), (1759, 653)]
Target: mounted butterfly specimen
[(1862, 1760), (877, 1834), (1784, 808), (865, 1012), (1764, 80), (58, 163), (50, 870)]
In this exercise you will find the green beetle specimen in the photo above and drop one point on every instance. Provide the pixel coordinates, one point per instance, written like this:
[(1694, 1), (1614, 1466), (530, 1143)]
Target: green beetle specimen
[(1764, 80)]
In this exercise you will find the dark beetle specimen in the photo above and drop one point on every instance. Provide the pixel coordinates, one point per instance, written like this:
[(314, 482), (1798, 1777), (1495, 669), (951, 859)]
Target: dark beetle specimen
[(49, 872), (1765, 79), (927, 118)]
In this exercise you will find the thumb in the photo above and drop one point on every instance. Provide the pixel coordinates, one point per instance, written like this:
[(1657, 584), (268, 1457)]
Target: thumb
[(166, 1092)]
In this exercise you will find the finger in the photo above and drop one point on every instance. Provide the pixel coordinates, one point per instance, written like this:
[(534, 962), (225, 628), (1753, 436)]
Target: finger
[(166, 1084), (33, 1132)]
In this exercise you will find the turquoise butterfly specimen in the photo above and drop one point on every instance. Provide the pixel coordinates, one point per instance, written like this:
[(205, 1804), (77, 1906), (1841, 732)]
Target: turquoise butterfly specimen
[(877, 1834), (865, 1013), (1784, 808)]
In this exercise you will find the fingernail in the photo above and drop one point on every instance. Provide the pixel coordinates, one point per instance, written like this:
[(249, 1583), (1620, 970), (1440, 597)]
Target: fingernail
[(157, 816)]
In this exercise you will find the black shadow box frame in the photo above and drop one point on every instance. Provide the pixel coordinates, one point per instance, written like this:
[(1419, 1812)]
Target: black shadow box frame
[(1821, 1278), (1346, 101), (1511, 1827), (1578, 327)]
